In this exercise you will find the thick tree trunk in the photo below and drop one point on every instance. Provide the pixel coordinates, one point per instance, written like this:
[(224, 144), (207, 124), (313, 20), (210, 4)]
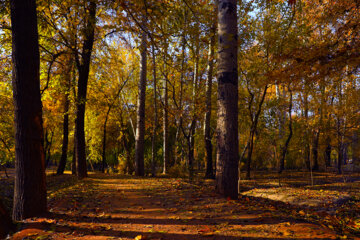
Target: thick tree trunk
[(30, 183), (65, 142), (84, 68), (6, 225), (227, 123), (207, 128), (140, 120)]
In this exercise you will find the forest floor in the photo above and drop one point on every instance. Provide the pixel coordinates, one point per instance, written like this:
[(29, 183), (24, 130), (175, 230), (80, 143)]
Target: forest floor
[(125, 207)]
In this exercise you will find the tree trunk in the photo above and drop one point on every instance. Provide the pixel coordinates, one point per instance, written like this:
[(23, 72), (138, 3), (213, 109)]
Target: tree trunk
[(306, 132), (30, 182), (73, 164), (165, 120), (227, 123), (83, 69), (315, 147), (6, 225), (153, 139), (65, 143), (254, 124), (284, 150), (140, 120), (103, 165), (207, 128)]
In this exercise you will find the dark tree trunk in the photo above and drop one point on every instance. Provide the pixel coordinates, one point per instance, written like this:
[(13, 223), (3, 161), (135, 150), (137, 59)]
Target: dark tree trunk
[(254, 124), (227, 123), (30, 182), (83, 69), (48, 143), (328, 153), (73, 164), (284, 149), (6, 225), (65, 142), (207, 128), (340, 157), (103, 166), (140, 120), (165, 123), (315, 148), (153, 139)]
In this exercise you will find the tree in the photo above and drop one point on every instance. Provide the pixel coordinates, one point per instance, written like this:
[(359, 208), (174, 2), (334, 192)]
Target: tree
[(140, 120), (227, 123), (83, 66), (65, 140), (30, 183), (207, 129)]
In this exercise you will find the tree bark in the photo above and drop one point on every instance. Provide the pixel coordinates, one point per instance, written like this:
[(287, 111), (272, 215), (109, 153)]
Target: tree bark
[(153, 139), (30, 182), (84, 68), (165, 120), (65, 142), (227, 123), (140, 120), (207, 128)]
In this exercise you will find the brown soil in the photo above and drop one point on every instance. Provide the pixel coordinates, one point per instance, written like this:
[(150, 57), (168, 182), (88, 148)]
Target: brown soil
[(114, 207)]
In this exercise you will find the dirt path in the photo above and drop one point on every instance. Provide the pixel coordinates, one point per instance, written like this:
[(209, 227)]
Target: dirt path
[(111, 207)]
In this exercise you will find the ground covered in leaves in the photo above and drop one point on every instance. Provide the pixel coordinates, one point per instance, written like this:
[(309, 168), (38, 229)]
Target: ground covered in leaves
[(122, 207)]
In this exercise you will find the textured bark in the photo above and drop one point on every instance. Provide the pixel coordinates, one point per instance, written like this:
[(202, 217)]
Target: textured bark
[(207, 128), (227, 123), (83, 69), (30, 185), (6, 225), (65, 142), (140, 120)]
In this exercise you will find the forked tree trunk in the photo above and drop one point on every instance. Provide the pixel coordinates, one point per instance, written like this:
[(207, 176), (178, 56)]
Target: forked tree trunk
[(84, 68), (140, 120), (30, 184), (227, 123)]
